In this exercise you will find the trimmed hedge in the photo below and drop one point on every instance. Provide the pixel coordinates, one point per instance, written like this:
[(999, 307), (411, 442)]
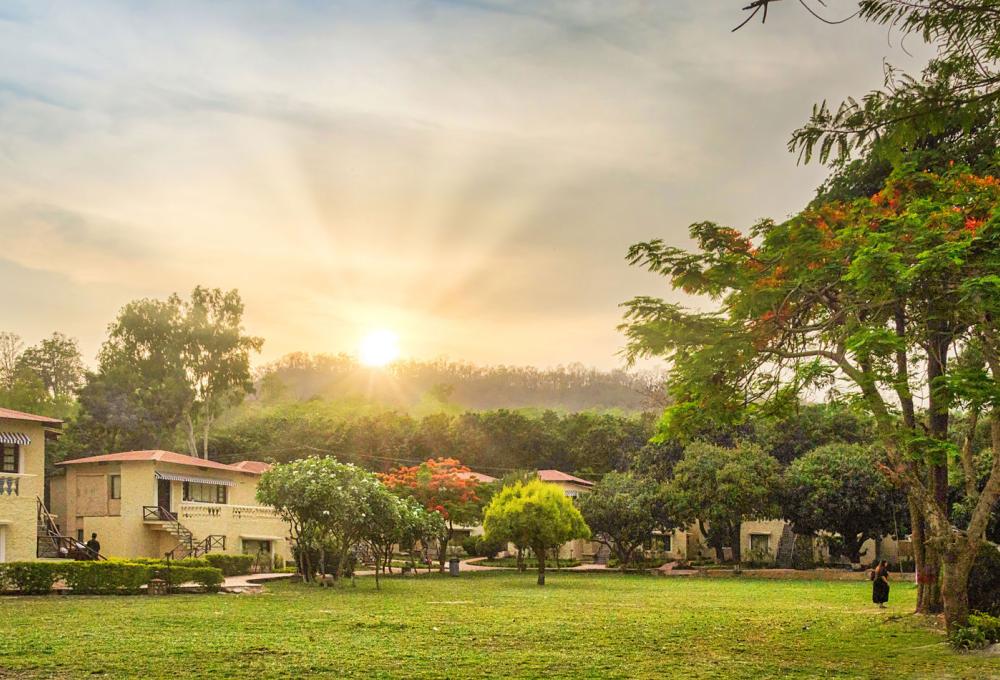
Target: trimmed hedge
[(231, 565), (103, 577)]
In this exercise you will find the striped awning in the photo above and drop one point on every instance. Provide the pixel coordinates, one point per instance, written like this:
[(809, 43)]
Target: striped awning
[(189, 478), (14, 438)]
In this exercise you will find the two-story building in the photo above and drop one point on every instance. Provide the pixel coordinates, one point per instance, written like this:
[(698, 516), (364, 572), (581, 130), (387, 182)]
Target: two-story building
[(150, 503), (22, 481)]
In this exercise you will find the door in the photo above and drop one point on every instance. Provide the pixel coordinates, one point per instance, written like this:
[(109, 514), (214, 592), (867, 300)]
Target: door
[(3, 543), (163, 495)]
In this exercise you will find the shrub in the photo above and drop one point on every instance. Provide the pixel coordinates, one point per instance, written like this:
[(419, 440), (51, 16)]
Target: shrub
[(32, 578), (209, 578), (230, 565), (162, 562), (102, 578), (470, 544), (968, 638), (984, 581)]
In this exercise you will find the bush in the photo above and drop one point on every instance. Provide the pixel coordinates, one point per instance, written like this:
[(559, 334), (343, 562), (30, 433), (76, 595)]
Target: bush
[(480, 546), (230, 565), (32, 578), (107, 577), (983, 629), (162, 562), (984, 581), (209, 578)]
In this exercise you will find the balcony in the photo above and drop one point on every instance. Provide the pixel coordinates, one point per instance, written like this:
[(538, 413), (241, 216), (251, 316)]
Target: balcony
[(192, 510), (10, 485)]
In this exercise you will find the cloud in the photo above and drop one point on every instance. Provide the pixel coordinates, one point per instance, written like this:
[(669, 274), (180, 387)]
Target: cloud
[(469, 171)]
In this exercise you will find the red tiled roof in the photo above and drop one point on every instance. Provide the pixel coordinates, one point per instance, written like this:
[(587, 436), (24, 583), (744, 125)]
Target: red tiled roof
[(159, 456), (557, 476), (255, 466), (19, 415), (478, 476)]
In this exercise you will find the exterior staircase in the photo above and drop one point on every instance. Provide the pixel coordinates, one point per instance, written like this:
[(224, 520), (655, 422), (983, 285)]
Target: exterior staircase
[(51, 543), (187, 544), (786, 547)]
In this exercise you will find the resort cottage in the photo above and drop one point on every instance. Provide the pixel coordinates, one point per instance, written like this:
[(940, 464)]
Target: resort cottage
[(156, 503)]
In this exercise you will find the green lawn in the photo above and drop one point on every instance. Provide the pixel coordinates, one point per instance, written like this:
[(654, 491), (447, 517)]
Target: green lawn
[(487, 625)]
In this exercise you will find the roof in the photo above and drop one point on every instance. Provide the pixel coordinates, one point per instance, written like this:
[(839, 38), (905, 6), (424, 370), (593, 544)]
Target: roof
[(158, 456), (557, 476), (11, 414), (478, 476), (256, 466)]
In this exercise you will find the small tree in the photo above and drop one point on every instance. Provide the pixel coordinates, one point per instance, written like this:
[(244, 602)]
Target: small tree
[(721, 488), (534, 514), (328, 506), (838, 489), (442, 485), (621, 512)]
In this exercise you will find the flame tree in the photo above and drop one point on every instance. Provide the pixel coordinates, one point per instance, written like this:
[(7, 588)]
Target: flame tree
[(444, 486), (892, 301)]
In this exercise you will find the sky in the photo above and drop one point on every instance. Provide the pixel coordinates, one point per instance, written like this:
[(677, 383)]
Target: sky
[(467, 174)]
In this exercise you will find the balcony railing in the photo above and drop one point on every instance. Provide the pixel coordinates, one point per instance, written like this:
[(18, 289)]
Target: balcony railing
[(154, 513), (193, 510), (10, 486)]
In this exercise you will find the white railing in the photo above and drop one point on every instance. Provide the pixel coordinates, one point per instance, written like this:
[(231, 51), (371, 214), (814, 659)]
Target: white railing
[(195, 510)]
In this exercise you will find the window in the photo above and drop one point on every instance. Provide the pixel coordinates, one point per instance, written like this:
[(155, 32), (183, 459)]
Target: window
[(10, 458), (79, 535), (760, 543), (667, 542), (204, 493), (115, 487)]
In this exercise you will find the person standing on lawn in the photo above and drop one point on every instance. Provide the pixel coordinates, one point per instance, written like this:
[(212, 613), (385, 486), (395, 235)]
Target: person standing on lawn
[(880, 584)]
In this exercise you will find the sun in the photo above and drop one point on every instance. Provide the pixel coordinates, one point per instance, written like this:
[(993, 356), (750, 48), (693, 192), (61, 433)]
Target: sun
[(378, 348)]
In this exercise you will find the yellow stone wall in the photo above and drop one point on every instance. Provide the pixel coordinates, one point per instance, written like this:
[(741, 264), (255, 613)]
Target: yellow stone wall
[(18, 514)]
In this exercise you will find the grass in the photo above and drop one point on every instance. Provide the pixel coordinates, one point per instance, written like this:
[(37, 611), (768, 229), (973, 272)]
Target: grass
[(487, 625), (530, 563)]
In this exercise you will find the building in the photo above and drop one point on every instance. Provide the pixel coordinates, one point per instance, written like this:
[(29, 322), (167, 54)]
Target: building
[(151, 503), (22, 482)]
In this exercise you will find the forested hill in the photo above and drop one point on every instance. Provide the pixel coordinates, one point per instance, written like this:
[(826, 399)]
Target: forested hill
[(411, 384)]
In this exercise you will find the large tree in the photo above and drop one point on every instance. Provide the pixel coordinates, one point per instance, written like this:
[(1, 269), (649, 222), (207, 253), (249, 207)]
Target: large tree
[(57, 362), (838, 491), (720, 488), (177, 362), (621, 511), (869, 299), (535, 514)]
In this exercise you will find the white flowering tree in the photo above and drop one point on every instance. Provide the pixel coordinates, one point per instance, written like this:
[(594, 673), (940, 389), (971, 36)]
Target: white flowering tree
[(329, 507)]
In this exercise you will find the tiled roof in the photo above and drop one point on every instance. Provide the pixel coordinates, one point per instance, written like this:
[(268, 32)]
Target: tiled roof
[(255, 466), (557, 476), (478, 476), (11, 414), (159, 456)]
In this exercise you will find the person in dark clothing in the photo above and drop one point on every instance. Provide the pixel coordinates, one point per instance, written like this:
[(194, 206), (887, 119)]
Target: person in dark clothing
[(880, 584), (93, 547)]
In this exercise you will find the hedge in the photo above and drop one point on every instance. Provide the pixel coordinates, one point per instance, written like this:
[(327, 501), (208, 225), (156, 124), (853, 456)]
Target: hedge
[(231, 565), (104, 577)]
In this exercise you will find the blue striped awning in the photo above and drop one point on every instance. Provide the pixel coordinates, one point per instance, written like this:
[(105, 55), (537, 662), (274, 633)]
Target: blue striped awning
[(197, 480), (18, 438)]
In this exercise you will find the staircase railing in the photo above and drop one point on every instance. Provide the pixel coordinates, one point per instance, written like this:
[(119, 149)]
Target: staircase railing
[(186, 546), (52, 543)]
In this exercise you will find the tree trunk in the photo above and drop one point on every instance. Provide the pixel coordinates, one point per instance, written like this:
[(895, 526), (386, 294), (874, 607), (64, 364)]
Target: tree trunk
[(955, 583), (520, 560), (540, 554), (937, 418), (919, 545)]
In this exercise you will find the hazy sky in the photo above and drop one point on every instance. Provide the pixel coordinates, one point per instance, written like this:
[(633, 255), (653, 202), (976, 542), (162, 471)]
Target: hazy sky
[(468, 173)]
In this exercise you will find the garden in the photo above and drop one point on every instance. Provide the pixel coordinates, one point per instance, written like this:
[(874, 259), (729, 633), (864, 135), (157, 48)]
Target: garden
[(488, 624)]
